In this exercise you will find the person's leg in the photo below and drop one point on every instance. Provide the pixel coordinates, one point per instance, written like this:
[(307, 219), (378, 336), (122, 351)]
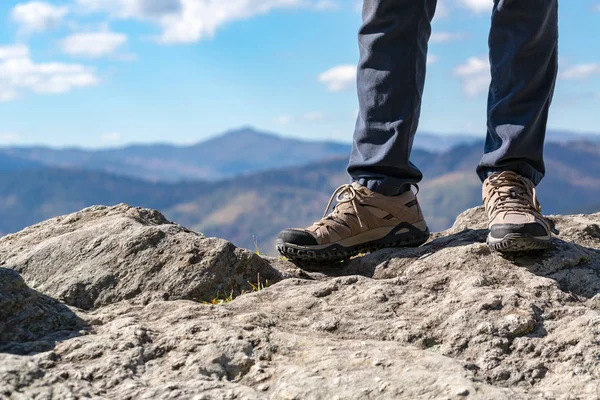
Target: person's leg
[(378, 209), (524, 62), (391, 75)]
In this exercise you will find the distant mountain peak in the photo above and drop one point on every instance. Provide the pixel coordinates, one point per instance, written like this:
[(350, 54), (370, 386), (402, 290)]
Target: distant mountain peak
[(247, 131)]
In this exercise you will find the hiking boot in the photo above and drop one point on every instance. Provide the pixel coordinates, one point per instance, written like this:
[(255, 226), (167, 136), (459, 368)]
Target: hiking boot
[(515, 215), (361, 221)]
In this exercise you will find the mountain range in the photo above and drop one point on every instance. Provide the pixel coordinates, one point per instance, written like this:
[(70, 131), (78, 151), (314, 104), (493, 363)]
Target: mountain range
[(233, 153), (238, 152), (257, 205)]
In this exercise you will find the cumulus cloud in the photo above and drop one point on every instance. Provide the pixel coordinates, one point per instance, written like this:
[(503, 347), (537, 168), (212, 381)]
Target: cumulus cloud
[(133, 8), (477, 6), (339, 78), (581, 71), (187, 21), (18, 73), (474, 75), (445, 37), (93, 44), (37, 16), (16, 51), (327, 5), (200, 19)]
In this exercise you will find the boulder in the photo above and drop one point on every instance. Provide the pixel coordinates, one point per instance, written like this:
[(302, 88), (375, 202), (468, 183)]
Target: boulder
[(448, 320), (102, 255), (27, 316)]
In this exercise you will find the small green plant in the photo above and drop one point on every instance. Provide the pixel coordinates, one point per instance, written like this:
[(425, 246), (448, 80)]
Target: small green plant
[(254, 287), (258, 286), (220, 300), (256, 245)]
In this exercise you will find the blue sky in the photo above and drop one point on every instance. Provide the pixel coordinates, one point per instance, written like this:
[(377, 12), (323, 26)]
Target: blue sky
[(110, 72)]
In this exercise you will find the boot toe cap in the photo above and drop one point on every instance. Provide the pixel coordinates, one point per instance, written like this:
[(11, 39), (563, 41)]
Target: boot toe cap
[(535, 229), (297, 237)]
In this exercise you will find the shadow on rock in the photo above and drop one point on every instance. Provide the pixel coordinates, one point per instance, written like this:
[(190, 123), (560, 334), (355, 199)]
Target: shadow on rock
[(31, 322), (102, 255), (574, 267), (369, 264), (573, 262)]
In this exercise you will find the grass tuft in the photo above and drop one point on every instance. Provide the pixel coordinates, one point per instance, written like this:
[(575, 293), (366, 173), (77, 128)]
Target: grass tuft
[(228, 298)]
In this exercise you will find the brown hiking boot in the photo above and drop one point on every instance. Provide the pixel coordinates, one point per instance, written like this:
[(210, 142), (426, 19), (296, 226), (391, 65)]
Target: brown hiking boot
[(361, 221), (515, 219)]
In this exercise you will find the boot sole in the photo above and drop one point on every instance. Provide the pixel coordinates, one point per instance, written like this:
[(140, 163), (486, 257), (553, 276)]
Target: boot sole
[(413, 238), (519, 242)]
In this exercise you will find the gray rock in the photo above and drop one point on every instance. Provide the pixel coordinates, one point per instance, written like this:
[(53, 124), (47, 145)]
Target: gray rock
[(448, 320), (27, 316), (102, 255)]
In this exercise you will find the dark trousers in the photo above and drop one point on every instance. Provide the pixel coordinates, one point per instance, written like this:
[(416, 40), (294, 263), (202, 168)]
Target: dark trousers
[(391, 75)]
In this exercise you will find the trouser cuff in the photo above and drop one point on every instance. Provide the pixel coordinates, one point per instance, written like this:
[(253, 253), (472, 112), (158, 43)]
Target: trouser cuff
[(524, 170), (384, 186)]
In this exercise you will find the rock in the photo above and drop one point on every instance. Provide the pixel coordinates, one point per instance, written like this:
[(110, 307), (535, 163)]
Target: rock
[(27, 316), (448, 320), (102, 255)]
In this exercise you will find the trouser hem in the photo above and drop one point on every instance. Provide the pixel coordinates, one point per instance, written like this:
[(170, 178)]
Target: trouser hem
[(524, 170), (384, 186)]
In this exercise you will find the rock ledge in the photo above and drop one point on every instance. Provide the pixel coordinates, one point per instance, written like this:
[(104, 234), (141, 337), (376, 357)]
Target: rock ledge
[(119, 315)]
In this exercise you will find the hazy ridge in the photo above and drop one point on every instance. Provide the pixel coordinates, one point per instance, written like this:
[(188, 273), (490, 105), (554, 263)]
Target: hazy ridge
[(262, 203)]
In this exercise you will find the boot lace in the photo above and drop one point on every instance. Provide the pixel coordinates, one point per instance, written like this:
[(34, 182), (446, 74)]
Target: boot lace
[(513, 193), (344, 194)]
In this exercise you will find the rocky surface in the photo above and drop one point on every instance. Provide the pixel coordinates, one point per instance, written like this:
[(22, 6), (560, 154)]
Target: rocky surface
[(27, 316), (103, 255), (448, 320)]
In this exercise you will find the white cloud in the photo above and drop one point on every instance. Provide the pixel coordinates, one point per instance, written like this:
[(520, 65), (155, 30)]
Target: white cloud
[(474, 75), (597, 7), (16, 51), (18, 72), (339, 78), (327, 5), (432, 59), (37, 16), (142, 9), (310, 117), (111, 137), (445, 37), (187, 21), (442, 10), (314, 116), (201, 18), (7, 94), (477, 6), (94, 44), (283, 119), (581, 71)]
